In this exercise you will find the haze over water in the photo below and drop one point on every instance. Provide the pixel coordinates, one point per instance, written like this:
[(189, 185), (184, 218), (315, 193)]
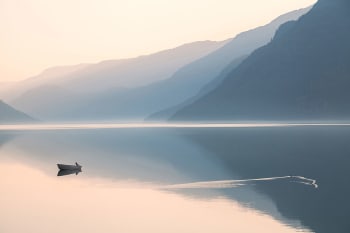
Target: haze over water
[(129, 177), (73, 157)]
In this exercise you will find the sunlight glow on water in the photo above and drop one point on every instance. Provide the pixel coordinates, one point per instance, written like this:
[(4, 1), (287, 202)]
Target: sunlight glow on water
[(99, 205), (144, 177)]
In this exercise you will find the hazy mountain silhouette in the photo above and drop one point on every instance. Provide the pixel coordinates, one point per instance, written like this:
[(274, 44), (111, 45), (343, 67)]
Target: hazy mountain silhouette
[(11, 115), (214, 68), (302, 74), (60, 103), (86, 80), (54, 76), (194, 95), (118, 73)]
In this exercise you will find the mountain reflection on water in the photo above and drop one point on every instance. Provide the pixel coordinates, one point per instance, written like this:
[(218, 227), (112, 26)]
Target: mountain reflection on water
[(321, 153), (164, 157)]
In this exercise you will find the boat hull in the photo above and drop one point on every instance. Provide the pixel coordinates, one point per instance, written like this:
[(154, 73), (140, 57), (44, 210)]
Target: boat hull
[(68, 167)]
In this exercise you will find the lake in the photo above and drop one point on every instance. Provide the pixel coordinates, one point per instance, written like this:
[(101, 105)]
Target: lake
[(251, 178)]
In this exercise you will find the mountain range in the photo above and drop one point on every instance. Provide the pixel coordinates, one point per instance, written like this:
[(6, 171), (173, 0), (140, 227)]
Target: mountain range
[(302, 74), (60, 90), (136, 88)]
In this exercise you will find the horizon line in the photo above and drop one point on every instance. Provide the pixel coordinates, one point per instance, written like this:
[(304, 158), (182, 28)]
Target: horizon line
[(72, 126)]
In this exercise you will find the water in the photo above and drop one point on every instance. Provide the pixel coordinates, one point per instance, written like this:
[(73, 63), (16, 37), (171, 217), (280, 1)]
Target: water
[(176, 179)]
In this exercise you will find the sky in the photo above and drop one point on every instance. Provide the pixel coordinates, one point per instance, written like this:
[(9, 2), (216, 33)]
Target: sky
[(38, 34)]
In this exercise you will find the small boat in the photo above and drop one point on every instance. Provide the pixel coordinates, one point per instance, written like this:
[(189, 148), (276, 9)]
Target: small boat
[(69, 167)]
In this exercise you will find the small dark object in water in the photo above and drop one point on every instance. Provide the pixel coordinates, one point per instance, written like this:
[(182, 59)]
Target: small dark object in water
[(67, 172), (68, 169)]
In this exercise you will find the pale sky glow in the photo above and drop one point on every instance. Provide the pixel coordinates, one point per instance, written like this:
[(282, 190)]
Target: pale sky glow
[(37, 34), (93, 204)]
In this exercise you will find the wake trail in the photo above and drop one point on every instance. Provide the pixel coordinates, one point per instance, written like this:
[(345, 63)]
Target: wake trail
[(218, 184)]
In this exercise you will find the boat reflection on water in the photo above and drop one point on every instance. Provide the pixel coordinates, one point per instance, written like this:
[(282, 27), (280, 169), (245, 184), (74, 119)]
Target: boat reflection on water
[(68, 172), (68, 169)]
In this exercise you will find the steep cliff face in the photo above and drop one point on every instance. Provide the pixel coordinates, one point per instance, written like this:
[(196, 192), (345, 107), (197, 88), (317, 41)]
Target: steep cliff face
[(303, 73)]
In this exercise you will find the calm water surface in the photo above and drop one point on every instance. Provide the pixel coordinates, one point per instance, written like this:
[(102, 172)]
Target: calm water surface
[(146, 180)]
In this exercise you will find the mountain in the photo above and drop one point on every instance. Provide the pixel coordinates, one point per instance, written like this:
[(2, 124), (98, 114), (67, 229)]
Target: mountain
[(135, 103), (302, 74), (86, 80), (129, 73), (54, 76), (196, 93), (9, 115), (212, 69)]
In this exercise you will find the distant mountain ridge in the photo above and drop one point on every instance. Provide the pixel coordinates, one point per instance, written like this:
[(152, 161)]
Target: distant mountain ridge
[(108, 74), (73, 102), (303, 74), (74, 83), (9, 115)]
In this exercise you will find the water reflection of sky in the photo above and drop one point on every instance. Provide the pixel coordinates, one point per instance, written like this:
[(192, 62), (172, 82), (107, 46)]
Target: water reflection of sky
[(32, 201), (119, 189)]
